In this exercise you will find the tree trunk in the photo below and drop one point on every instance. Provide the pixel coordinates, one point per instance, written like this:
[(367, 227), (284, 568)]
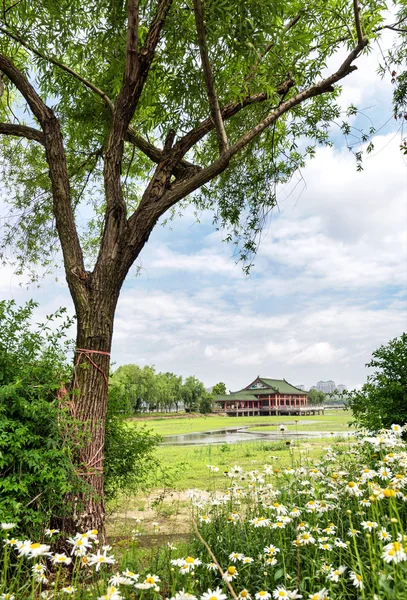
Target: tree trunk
[(88, 404)]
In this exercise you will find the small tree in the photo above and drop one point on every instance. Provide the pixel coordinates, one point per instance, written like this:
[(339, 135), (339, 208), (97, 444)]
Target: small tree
[(316, 397), (192, 392), (382, 401), (219, 389)]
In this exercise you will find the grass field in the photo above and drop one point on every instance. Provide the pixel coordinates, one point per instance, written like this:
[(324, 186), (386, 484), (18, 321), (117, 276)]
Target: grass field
[(332, 420), (189, 464), (186, 467)]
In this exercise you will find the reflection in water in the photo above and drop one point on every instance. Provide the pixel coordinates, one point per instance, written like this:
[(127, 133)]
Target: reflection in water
[(239, 434)]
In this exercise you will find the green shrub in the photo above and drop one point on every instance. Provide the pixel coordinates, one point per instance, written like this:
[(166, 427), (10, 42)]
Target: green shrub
[(129, 451), (36, 466), (35, 461)]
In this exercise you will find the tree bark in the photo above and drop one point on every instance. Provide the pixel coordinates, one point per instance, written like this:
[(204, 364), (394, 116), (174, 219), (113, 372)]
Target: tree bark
[(87, 402)]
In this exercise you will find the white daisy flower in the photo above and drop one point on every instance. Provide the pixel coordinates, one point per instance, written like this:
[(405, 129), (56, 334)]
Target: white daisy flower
[(7, 526), (262, 595), (214, 595), (182, 595), (99, 559), (321, 595), (394, 552), (230, 573), (51, 532), (235, 556), (356, 579), (369, 525), (61, 559)]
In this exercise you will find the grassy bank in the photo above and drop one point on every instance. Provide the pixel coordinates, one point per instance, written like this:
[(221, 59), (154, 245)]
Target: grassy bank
[(335, 420)]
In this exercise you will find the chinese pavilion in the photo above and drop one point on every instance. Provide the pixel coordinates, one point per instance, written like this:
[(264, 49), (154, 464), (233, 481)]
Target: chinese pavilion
[(264, 397)]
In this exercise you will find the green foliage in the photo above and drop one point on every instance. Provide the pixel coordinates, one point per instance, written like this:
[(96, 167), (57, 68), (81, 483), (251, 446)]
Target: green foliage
[(382, 401), (193, 392), (205, 404), (129, 452), (219, 389), (316, 397), (36, 450), (252, 49), (35, 460), (143, 389)]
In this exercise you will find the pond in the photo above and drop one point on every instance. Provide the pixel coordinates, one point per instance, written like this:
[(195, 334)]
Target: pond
[(240, 434)]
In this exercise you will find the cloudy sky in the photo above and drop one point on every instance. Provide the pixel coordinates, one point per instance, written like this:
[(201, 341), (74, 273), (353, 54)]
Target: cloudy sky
[(329, 283)]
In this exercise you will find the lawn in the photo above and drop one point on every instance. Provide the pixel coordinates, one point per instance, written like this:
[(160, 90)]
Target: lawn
[(189, 464), (332, 420)]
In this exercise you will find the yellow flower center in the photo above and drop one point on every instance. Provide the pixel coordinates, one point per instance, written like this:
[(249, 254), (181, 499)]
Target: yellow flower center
[(231, 570), (243, 594), (213, 598), (150, 580), (351, 484), (35, 546), (190, 560), (389, 493)]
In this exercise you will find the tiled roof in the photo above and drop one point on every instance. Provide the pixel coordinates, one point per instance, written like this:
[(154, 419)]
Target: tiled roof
[(273, 386)]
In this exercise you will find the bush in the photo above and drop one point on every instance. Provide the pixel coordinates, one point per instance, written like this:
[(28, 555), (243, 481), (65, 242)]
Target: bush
[(129, 451), (382, 401), (35, 461), (36, 451)]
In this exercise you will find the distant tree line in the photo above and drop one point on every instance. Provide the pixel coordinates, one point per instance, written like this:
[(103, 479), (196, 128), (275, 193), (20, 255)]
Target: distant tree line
[(142, 389), (320, 397)]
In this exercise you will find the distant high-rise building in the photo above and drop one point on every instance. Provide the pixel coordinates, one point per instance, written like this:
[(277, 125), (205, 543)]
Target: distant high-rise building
[(300, 386), (328, 387), (341, 388)]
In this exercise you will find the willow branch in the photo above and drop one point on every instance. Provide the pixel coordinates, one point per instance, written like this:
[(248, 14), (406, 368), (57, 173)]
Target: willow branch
[(209, 81), (152, 152), (250, 76), (181, 189), (56, 159), (356, 11), (22, 131)]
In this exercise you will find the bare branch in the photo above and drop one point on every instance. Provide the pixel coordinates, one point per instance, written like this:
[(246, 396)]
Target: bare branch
[(55, 155), (209, 81), (356, 10), (22, 131)]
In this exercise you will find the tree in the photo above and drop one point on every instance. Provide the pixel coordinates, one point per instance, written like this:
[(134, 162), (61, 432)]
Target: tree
[(316, 397), (382, 400), (219, 389), (134, 106), (192, 393)]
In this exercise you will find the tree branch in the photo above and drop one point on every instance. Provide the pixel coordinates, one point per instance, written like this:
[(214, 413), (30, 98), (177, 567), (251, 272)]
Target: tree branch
[(209, 81), (22, 131), (151, 151), (137, 67), (55, 155), (356, 10), (181, 189), (250, 76), (229, 110)]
